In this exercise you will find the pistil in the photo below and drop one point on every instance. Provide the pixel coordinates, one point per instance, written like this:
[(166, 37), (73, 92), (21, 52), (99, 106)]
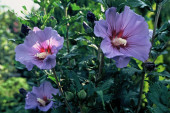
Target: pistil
[(119, 41), (41, 101), (42, 55)]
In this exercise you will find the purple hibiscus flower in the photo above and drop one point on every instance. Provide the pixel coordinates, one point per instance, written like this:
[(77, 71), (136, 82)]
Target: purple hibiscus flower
[(39, 48), (40, 97), (124, 35)]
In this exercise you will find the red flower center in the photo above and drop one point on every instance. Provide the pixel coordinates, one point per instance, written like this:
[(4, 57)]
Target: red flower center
[(43, 53), (117, 40)]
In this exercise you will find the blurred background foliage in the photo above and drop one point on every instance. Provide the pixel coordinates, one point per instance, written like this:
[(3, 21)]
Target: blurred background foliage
[(81, 51)]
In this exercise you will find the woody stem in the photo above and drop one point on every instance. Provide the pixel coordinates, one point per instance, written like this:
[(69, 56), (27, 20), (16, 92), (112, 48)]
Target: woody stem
[(141, 92), (67, 29), (158, 10), (61, 90)]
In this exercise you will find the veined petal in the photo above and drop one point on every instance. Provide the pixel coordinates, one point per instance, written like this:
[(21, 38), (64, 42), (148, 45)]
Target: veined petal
[(108, 49), (45, 89), (31, 101), (100, 29), (138, 47), (133, 24), (111, 17), (121, 61), (49, 62), (47, 107)]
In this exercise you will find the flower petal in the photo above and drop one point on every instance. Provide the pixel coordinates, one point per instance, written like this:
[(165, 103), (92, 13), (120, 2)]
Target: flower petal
[(100, 29), (150, 33), (45, 89), (25, 55), (35, 29), (111, 15), (49, 90), (138, 47), (122, 61), (132, 23), (47, 107), (49, 62), (108, 49), (31, 101)]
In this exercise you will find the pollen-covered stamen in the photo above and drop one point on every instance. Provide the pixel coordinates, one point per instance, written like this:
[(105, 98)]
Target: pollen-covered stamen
[(119, 41), (41, 101), (42, 55)]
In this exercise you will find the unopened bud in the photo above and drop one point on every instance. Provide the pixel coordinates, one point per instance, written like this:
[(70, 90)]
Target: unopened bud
[(149, 66), (52, 17), (169, 25), (22, 91), (158, 1), (82, 94), (69, 95), (25, 29), (87, 28), (91, 17)]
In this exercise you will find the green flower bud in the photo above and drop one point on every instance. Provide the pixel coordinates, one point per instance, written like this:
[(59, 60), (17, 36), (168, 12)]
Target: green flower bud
[(82, 94), (69, 95)]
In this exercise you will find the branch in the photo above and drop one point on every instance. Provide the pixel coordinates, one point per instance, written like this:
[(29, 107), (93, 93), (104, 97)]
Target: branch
[(61, 90), (158, 10), (141, 92)]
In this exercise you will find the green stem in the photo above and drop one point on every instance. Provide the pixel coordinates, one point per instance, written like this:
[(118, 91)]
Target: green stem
[(111, 107), (67, 29), (61, 90), (101, 63), (141, 91), (81, 111)]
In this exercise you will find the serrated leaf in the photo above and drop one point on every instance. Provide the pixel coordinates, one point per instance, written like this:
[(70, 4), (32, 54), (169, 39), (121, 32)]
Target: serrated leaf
[(136, 3), (75, 78), (105, 85), (129, 71), (159, 95), (100, 93), (163, 74)]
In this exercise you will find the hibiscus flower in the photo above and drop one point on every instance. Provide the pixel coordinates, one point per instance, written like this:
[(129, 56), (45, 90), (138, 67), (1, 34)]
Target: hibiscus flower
[(125, 35), (39, 48), (41, 97)]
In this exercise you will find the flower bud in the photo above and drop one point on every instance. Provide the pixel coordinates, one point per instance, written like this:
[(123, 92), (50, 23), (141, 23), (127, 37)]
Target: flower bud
[(158, 1), (87, 27), (69, 95), (22, 91), (52, 17), (25, 29), (82, 94), (91, 17), (149, 66), (169, 25)]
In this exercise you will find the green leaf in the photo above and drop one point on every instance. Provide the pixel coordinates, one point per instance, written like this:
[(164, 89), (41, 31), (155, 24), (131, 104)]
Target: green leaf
[(24, 7), (136, 3), (75, 7), (159, 95), (100, 93), (163, 74), (59, 110), (129, 71), (105, 85), (75, 79)]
